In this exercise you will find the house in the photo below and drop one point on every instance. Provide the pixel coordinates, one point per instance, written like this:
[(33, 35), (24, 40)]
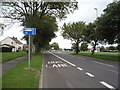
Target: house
[(12, 41)]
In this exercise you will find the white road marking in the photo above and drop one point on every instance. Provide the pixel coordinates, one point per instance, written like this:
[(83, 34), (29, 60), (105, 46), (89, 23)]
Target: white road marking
[(107, 85), (62, 65), (103, 64), (112, 71), (46, 66), (63, 59), (79, 68), (89, 74), (69, 84), (54, 65)]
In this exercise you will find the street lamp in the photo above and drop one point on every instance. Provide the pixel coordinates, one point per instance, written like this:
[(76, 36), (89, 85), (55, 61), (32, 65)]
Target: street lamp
[(96, 26), (96, 12)]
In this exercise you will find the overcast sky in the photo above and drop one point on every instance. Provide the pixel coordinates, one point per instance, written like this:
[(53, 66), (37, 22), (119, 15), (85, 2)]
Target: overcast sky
[(85, 12)]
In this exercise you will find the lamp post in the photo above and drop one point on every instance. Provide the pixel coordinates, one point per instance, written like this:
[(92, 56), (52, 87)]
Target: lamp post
[(96, 12), (96, 26)]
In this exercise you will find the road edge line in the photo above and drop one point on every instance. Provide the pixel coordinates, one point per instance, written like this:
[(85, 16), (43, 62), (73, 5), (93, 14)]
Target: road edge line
[(63, 59), (41, 76)]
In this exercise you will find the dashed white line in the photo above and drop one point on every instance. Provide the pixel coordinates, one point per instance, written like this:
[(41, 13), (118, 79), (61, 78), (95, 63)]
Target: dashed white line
[(63, 59), (89, 74), (79, 68), (107, 85)]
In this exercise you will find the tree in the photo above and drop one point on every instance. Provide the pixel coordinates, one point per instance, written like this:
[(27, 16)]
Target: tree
[(46, 26), (118, 48), (111, 48), (92, 35), (84, 47), (31, 13), (109, 23), (55, 46), (102, 49), (74, 32)]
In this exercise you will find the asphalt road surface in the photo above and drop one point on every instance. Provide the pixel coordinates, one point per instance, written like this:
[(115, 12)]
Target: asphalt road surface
[(62, 70)]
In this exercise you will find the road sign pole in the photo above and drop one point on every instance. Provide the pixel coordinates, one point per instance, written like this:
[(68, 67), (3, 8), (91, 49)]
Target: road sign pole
[(29, 54), (29, 31)]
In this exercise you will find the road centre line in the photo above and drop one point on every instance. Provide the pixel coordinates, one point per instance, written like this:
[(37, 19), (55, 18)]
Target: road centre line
[(62, 59), (79, 68), (89, 74), (103, 64), (107, 85)]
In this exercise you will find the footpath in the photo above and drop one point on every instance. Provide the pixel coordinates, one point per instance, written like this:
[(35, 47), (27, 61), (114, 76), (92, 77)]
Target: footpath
[(12, 63)]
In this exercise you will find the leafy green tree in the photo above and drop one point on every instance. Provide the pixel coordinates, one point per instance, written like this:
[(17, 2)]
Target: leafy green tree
[(92, 35), (84, 46), (118, 48), (109, 23), (102, 49), (55, 46), (32, 15), (112, 48), (74, 32), (46, 26)]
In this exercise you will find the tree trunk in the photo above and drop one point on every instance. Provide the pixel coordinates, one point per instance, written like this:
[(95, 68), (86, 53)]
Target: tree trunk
[(77, 47), (37, 48), (93, 51)]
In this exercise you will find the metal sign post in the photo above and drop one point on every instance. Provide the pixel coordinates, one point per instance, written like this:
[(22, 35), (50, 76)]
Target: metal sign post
[(29, 54), (29, 31)]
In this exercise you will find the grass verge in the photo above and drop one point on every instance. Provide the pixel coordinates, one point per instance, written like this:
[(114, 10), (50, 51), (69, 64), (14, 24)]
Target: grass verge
[(19, 77), (6, 56), (101, 55)]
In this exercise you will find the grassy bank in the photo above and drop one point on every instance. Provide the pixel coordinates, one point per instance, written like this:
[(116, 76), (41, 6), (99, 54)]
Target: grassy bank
[(6, 56), (101, 55), (19, 77)]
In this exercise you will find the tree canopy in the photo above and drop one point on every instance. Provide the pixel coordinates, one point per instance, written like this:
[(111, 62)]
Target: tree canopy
[(40, 15), (74, 32), (109, 23)]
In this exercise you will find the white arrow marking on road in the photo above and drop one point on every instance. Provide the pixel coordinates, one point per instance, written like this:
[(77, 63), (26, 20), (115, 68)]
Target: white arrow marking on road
[(79, 68), (107, 85), (89, 74)]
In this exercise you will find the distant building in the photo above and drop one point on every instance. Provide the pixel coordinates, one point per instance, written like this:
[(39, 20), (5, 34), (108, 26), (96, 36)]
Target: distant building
[(12, 41)]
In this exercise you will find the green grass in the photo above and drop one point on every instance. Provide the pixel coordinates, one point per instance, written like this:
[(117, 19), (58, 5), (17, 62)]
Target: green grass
[(101, 55), (6, 56), (18, 77)]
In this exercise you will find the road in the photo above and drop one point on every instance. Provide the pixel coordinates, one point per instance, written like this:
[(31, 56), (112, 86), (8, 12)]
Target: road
[(63, 70)]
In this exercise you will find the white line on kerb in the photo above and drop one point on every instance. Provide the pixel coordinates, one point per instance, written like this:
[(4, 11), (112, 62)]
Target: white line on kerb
[(63, 59), (89, 74), (79, 68), (107, 85)]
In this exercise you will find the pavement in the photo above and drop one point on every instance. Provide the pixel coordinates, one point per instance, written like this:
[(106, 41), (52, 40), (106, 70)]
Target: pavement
[(63, 70), (12, 63)]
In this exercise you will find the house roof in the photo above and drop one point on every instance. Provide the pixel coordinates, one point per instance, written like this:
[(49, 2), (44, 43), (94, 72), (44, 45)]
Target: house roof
[(7, 45), (16, 40)]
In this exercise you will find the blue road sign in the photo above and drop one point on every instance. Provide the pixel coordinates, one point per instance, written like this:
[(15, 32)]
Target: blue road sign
[(29, 31)]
